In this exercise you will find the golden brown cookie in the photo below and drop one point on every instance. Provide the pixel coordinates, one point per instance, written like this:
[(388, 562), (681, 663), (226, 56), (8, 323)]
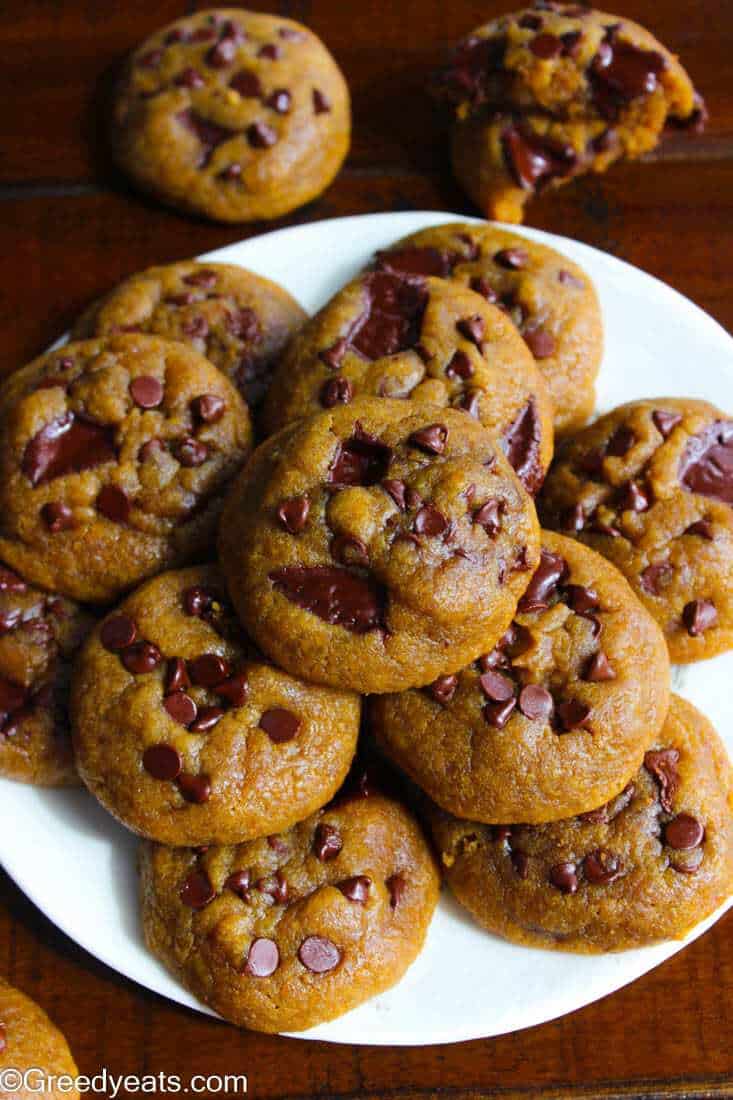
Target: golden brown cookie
[(648, 866), (239, 320), (396, 336), (232, 114), (114, 454), (184, 731), (29, 1041), (39, 636), (550, 92), (551, 300), (650, 486), (554, 719), (378, 545), (291, 931)]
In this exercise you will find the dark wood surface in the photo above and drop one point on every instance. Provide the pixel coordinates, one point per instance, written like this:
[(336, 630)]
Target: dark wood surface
[(70, 227)]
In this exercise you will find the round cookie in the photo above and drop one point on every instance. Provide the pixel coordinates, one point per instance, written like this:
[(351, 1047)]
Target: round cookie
[(648, 866), (232, 114), (39, 636), (388, 335), (291, 931), (555, 718), (239, 320), (650, 486), (378, 545), (29, 1041), (551, 300), (547, 93), (187, 735), (114, 454)]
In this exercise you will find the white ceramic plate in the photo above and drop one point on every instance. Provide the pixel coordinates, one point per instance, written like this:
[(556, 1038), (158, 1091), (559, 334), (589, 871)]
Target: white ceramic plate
[(78, 865)]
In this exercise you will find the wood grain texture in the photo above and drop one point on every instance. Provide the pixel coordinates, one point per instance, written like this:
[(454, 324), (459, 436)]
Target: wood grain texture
[(71, 227)]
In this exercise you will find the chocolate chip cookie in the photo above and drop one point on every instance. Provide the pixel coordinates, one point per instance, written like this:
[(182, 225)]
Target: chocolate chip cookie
[(646, 866), (552, 720), (114, 454), (377, 545), (296, 929), (184, 731), (39, 636), (551, 300), (650, 486), (232, 114), (29, 1041), (550, 92), (391, 335), (239, 320)]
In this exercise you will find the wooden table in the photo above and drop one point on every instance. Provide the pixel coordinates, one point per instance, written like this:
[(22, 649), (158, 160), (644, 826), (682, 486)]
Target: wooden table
[(71, 228)]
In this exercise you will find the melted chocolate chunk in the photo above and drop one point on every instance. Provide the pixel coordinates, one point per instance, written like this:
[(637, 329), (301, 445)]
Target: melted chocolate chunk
[(209, 134), (535, 161), (662, 764), (360, 460), (601, 867), (413, 260), (621, 72), (67, 445), (521, 445), (548, 575), (337, 596), (392, 320), (706, 466), (467, 77), (197, 890)]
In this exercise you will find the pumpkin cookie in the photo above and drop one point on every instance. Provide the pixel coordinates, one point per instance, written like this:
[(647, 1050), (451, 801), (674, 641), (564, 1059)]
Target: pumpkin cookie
[(554, 719), (185, 733), (550, 299), (233, 115), (238, 320), (391, 335), (647, 866), (29, 1041), (378, 545), (113, 457), (551, 92), (294, 930), (650, 486)]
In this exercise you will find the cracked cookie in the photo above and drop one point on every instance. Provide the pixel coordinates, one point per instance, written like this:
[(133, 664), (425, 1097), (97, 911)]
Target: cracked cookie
[(547, 93), (30, 1041), (377, 545), (232, 114), (409, 336), (290, 931), (551, 300), (650, 486), (239, 320), (114, 454), (552, 720), (184, 731), (647, 866)]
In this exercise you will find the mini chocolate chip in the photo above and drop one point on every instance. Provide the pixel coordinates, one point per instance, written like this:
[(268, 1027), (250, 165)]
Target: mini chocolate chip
[(197, 328), (206, 719), (355, 888), (396, 886), (460, 366), (699, 616), (572, 714), (488, 516), (656, 577), (396, 489), (683, 832), (279, 724), (239, 882), (208, 670), (208, 408), (234, 689), (546, 46), (261, 136), (496, 687), (191, 452), (498, 714), (321, 104), (621, 442), (277, 844), (280, 100), (57, 516), (599, 669), (162, 761), (662, 764), (511, 258), (568, 279), (181, 707), (327, 842), (197, 601), (11, 582), (146, 391), (472, 328), (665, 422), (540, 341), (430, 521), (336, 391), (332, 356), (231, 172), (319, 955), (222, 53), (471, 403), (349, 550), (263, 958), (601, 867), (114, 503), (117, 633), (275, 886), (189, 78), (140, 658), (632, 498), (197, 890), (535, 702), (564, 877), (443, 689), (247, 84), (581, 599), (176, 676), (195, 788), (431, 439), (293, 514), (702, 528), (481, 285)]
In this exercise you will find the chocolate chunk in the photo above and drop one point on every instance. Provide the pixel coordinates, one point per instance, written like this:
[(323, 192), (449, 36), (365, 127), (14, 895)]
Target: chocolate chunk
[(580, 599), (57, 516), (540, 341), (321, 103), (392, 320), (699, 616), (443, 689), (319, 955), (349, 550), (336, 391), (327, 842), (552, 569), (431, 439), (430, 521), (632, 498), (621, 442), (162, 762), (208, 408), (572, 714), (337, 596), (598, 669), (413, 260), (360, 460), (117, 633), (146, 391), (114, 503), (263, 958), (293, 514), (355, 888), (498, 714), (536, 703), (621, 72), (396, 887), (235, 689), (67, 445), (564, 877), (239, 882), (473, 328), (706, 466), (197, 890), (683, 832), (208, 670), (195, 788), (521, 445), (209, 134), (279, 724), (496, 687), (181, 707), (665, 422), (662, 764), (656, 577), (460, 366), (601, 867), (513, 259), (261, 136), (534, 161), (141, 658)]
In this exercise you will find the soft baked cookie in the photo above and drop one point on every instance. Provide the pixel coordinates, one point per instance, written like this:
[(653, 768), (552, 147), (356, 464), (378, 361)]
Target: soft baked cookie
[(232, 114), (294, 930), (554, 719), (114, 454), (239, 320), (550, 92), (39, 636), (551, 300), (650, 485), (647, 866), (185, 733), (29, 1041), (378, 545), (388, 335)]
